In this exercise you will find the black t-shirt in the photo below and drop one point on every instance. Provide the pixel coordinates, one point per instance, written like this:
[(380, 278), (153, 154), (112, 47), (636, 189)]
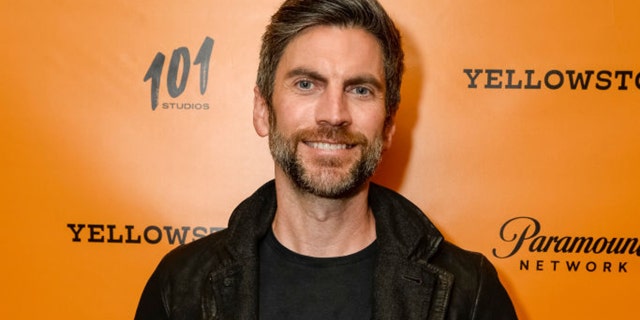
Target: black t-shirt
[(293, 286)]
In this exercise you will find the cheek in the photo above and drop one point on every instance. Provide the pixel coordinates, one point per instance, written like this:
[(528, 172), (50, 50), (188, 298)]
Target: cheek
[(370, 123), (287, 122), (291, 115)]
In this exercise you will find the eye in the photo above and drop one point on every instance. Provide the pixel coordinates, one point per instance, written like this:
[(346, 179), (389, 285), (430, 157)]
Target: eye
[(304, 84), (362, 91)]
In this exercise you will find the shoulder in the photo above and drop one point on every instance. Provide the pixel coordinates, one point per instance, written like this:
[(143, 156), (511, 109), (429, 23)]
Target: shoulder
[(247, 225), (179, 277), (196, 255), (457, 260), (404, 230), (475, 283), (468, 268)]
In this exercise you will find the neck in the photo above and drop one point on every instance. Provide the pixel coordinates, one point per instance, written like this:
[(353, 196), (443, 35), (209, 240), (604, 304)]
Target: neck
[(322, 227)]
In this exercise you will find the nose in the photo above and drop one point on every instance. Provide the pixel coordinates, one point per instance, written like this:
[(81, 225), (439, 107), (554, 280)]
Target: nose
[(333, 109)]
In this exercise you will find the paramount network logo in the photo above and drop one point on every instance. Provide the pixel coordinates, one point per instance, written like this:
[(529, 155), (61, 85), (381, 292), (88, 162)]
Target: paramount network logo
[(177, 76), (572, 253)]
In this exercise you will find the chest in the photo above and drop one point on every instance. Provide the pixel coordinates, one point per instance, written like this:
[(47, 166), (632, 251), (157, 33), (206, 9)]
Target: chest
[(292, 286)]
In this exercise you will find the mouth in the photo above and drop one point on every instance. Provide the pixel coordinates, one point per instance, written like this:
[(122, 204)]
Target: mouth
[(329, 146)]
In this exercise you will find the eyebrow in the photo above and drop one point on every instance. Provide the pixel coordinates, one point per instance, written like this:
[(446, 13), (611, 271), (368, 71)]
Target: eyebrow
[(365, 79), (306, 73), (360, 79)]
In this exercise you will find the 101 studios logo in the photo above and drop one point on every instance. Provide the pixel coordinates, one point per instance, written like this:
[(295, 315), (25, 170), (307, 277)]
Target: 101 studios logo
[(177, 75)]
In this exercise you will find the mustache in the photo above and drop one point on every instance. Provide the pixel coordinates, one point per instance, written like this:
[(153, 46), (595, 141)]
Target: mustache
[(333, 134)]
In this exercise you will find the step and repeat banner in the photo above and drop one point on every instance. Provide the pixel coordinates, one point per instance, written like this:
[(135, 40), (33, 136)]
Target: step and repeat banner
[(127, 131)]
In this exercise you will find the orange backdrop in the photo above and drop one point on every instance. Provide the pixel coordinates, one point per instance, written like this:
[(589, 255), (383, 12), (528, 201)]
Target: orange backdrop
[(518, 134)]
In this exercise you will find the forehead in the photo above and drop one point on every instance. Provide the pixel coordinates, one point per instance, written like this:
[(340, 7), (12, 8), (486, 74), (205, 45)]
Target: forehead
[(334, 51)]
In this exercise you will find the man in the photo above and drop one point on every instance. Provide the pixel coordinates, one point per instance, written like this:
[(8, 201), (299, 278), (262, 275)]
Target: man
[(321, 241)]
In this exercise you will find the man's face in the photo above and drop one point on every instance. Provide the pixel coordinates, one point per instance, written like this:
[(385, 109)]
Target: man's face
[(327, 129)]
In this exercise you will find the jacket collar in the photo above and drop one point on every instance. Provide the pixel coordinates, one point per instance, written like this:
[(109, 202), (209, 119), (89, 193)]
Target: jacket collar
[(406, 286), (401, 227), (251, 220)]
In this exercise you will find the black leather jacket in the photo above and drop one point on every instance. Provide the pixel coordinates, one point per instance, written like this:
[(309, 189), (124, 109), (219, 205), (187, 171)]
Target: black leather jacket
[(417, 275)]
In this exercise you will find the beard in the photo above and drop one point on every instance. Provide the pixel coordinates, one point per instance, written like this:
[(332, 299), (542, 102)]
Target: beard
[(331, 179)]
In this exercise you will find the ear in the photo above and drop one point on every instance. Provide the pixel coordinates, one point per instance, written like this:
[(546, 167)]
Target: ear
[(389, 131), (260, 113)]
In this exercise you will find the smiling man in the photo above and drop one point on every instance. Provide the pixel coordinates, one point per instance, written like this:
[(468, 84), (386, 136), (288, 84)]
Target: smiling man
[(321, 241)]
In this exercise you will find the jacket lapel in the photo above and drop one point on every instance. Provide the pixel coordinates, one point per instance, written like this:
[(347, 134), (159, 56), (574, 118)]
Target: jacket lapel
[(406, 285), (233, 283), (409, 290)]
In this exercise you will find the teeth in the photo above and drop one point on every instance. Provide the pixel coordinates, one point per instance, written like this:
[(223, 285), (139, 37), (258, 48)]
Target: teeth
[(328, 146)]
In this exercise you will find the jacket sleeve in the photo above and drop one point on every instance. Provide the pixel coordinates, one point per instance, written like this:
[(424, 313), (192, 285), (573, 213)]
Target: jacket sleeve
[(152, 304), (492, 301)]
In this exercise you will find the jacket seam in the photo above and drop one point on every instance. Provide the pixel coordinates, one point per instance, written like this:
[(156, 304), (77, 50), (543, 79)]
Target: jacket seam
[(480, 285)]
